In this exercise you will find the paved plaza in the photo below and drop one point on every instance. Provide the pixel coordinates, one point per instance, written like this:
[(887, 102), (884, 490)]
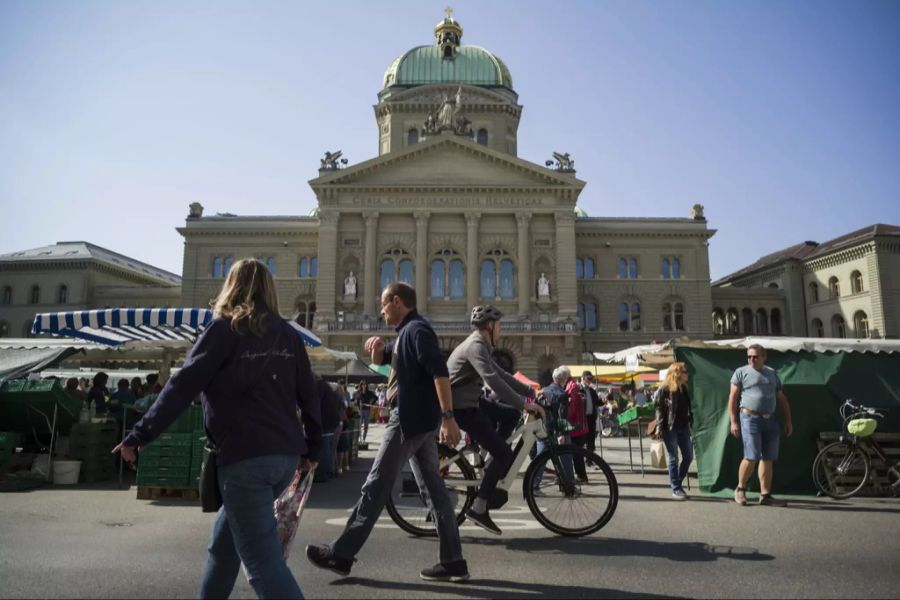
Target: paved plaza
[(99, 541)]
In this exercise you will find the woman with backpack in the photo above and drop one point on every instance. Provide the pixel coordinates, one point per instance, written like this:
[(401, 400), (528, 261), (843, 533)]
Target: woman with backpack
[(577, 417)]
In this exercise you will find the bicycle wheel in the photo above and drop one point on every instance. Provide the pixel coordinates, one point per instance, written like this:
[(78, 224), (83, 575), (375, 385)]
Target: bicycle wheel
[(407, 507), (841, 470), (562, 504)]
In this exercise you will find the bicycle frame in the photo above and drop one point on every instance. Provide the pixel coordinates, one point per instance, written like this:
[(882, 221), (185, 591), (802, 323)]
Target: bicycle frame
[(528, 434)]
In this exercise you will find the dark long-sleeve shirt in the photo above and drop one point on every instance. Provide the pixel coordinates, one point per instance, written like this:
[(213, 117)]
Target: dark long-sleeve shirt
[(418, 362), (247, 412)]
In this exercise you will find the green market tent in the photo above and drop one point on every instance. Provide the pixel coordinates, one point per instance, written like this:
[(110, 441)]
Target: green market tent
[(817, 378)]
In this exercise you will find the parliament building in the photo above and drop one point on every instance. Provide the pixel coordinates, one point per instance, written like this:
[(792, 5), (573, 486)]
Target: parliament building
[(449, 207)]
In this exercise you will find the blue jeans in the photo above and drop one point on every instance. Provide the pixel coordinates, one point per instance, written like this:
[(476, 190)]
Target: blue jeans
[(421, 452), (675, 439), (245, 532), (760, 436)]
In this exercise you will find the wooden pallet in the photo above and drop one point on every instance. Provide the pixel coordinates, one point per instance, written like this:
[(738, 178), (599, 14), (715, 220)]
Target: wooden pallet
[(878, 484), (152, 492)]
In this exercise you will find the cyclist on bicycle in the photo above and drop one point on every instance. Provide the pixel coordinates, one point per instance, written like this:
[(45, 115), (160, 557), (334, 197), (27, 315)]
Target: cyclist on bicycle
[(471, 366)]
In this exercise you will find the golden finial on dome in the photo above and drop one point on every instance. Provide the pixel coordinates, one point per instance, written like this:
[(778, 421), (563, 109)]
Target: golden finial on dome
[(447, 34)]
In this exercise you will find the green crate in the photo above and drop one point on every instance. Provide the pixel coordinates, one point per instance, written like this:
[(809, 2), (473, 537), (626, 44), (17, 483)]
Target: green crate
[(197, 417), (15, 385), (162, 471), (644, 412), (183, 424), (167, 481), (173, 439), (6, 447), (174, 461)]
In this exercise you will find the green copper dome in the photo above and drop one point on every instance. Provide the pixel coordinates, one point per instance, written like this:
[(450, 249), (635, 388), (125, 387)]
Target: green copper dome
[(470, 65)]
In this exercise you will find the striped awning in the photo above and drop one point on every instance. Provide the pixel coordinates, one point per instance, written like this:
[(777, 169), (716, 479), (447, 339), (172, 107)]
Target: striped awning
[(117, 326)]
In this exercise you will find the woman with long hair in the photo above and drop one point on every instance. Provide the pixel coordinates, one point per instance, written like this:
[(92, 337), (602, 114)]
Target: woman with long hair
[(673, 425), (254, 375)]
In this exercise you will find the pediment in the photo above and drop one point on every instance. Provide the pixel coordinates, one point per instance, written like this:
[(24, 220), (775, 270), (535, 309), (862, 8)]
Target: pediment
[(447, 161)]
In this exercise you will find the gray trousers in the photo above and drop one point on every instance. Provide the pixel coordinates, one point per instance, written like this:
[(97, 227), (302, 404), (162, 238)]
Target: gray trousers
[(421, 452)]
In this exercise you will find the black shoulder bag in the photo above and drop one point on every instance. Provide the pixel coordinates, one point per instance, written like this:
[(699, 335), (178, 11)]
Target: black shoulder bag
[(210, 494)]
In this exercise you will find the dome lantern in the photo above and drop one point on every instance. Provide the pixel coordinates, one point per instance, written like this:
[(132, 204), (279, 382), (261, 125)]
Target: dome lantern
[(447, 34)]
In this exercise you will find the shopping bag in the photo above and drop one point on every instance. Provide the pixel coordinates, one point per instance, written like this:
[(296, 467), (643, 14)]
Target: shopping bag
[(658, 455), (289, 507)]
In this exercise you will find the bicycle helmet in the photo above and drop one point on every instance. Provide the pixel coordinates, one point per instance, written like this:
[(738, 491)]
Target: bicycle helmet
[(483, 313)]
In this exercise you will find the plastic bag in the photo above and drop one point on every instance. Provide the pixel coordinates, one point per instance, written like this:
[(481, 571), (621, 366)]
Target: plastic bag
[(658, 455), (289, 507)]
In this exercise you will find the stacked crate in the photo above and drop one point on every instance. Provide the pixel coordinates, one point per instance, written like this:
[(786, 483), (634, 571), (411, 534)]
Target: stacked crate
[(92, 444), (198, 441), (167, 461), (6, 448)]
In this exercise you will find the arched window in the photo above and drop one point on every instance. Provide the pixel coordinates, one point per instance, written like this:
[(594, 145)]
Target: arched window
[(718, 321), (813, 292), (622, 268), (437, 279), (861, 324), (747, 321), (671, 267), (581, 323), (762, 322), (311, 314), (590, 315), (630, 316), (63, 295), (834, 287), (856, 282), (301, 314), (314, 266), (4, 329), (217, 267), (226, 265), (35, 294), (731, 321), (507, 280), (396, 266), (497, 276), (679, 316), (632, 268), (817, 328), (665, 268), (412, 137), (673, 316), (270, 264), (588, 268), (775, 318), (304, 267), (482, 137), (7, 295), (838, 327), (773, 285), (457, 279), (579, 268), (676, 268)]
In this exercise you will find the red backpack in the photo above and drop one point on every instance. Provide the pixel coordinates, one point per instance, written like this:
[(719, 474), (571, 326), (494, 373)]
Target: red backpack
[(576, 415)]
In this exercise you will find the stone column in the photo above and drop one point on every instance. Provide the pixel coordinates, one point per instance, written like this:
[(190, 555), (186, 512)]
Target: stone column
[(326, 290), (421, 217), (472, 267), (525, 283), (564, 279), (370, 276)]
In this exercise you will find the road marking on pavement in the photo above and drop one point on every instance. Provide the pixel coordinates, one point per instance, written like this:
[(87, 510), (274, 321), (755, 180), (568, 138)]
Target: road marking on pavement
[(385, 521)]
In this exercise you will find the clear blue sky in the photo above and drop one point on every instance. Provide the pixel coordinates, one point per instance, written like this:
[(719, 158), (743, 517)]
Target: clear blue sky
[(781, 118)]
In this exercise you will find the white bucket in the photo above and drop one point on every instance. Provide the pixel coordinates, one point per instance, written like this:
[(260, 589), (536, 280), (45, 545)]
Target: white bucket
[(65, 472)]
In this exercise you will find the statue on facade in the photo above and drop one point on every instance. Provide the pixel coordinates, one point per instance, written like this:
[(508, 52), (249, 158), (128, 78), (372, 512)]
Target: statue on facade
[(697, 212), (350, 286), (195, 210), (332, 161), (543, 286), (564, 162), (448, 117)]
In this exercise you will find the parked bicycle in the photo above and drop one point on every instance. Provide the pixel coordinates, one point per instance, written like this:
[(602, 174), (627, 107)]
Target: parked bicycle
[(843, 468), (554, 496)]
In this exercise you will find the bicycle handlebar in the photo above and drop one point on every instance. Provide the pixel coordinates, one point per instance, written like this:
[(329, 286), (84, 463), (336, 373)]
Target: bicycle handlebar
[(858, 409)]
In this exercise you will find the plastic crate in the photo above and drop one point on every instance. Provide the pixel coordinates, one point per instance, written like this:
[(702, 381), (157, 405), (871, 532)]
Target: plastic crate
[(162, 471), (6, 447), (168, 481), (173, 439), (197, 417), (182, 461), (644, 412)]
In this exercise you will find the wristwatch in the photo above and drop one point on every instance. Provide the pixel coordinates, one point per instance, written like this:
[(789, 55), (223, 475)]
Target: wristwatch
[(447, 414)]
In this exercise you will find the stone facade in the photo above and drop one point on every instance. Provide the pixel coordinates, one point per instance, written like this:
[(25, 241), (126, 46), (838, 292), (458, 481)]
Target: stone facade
[(846, 287), (77, 276)]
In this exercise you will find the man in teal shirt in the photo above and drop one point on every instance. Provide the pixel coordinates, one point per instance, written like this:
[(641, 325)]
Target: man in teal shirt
[(755, 392)]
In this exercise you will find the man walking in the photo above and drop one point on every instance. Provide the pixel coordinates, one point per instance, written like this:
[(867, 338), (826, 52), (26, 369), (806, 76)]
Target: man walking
[(591, 407), (364, 400), (755, 392), (419, 393)]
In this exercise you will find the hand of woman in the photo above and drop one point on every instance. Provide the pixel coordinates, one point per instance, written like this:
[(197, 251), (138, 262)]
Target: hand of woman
[(307, 465)]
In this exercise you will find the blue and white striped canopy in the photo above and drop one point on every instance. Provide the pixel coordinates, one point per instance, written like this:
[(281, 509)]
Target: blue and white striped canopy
[(117, 326)]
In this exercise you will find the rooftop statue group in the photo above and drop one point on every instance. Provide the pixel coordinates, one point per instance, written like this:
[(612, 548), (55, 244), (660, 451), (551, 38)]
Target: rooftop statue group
[(449, 117)]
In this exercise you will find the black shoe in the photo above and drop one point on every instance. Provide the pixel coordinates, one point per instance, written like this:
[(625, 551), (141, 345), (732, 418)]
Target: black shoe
[(324, 558), (455, 572), (483, 520)]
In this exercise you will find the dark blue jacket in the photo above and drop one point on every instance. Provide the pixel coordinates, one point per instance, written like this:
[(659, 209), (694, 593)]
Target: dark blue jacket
[(556, 402), (419, 362), (247, 412)]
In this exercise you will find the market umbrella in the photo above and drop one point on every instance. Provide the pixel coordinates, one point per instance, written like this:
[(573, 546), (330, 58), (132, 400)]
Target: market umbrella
[(383, 369), (354, 371), (521, 377)]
